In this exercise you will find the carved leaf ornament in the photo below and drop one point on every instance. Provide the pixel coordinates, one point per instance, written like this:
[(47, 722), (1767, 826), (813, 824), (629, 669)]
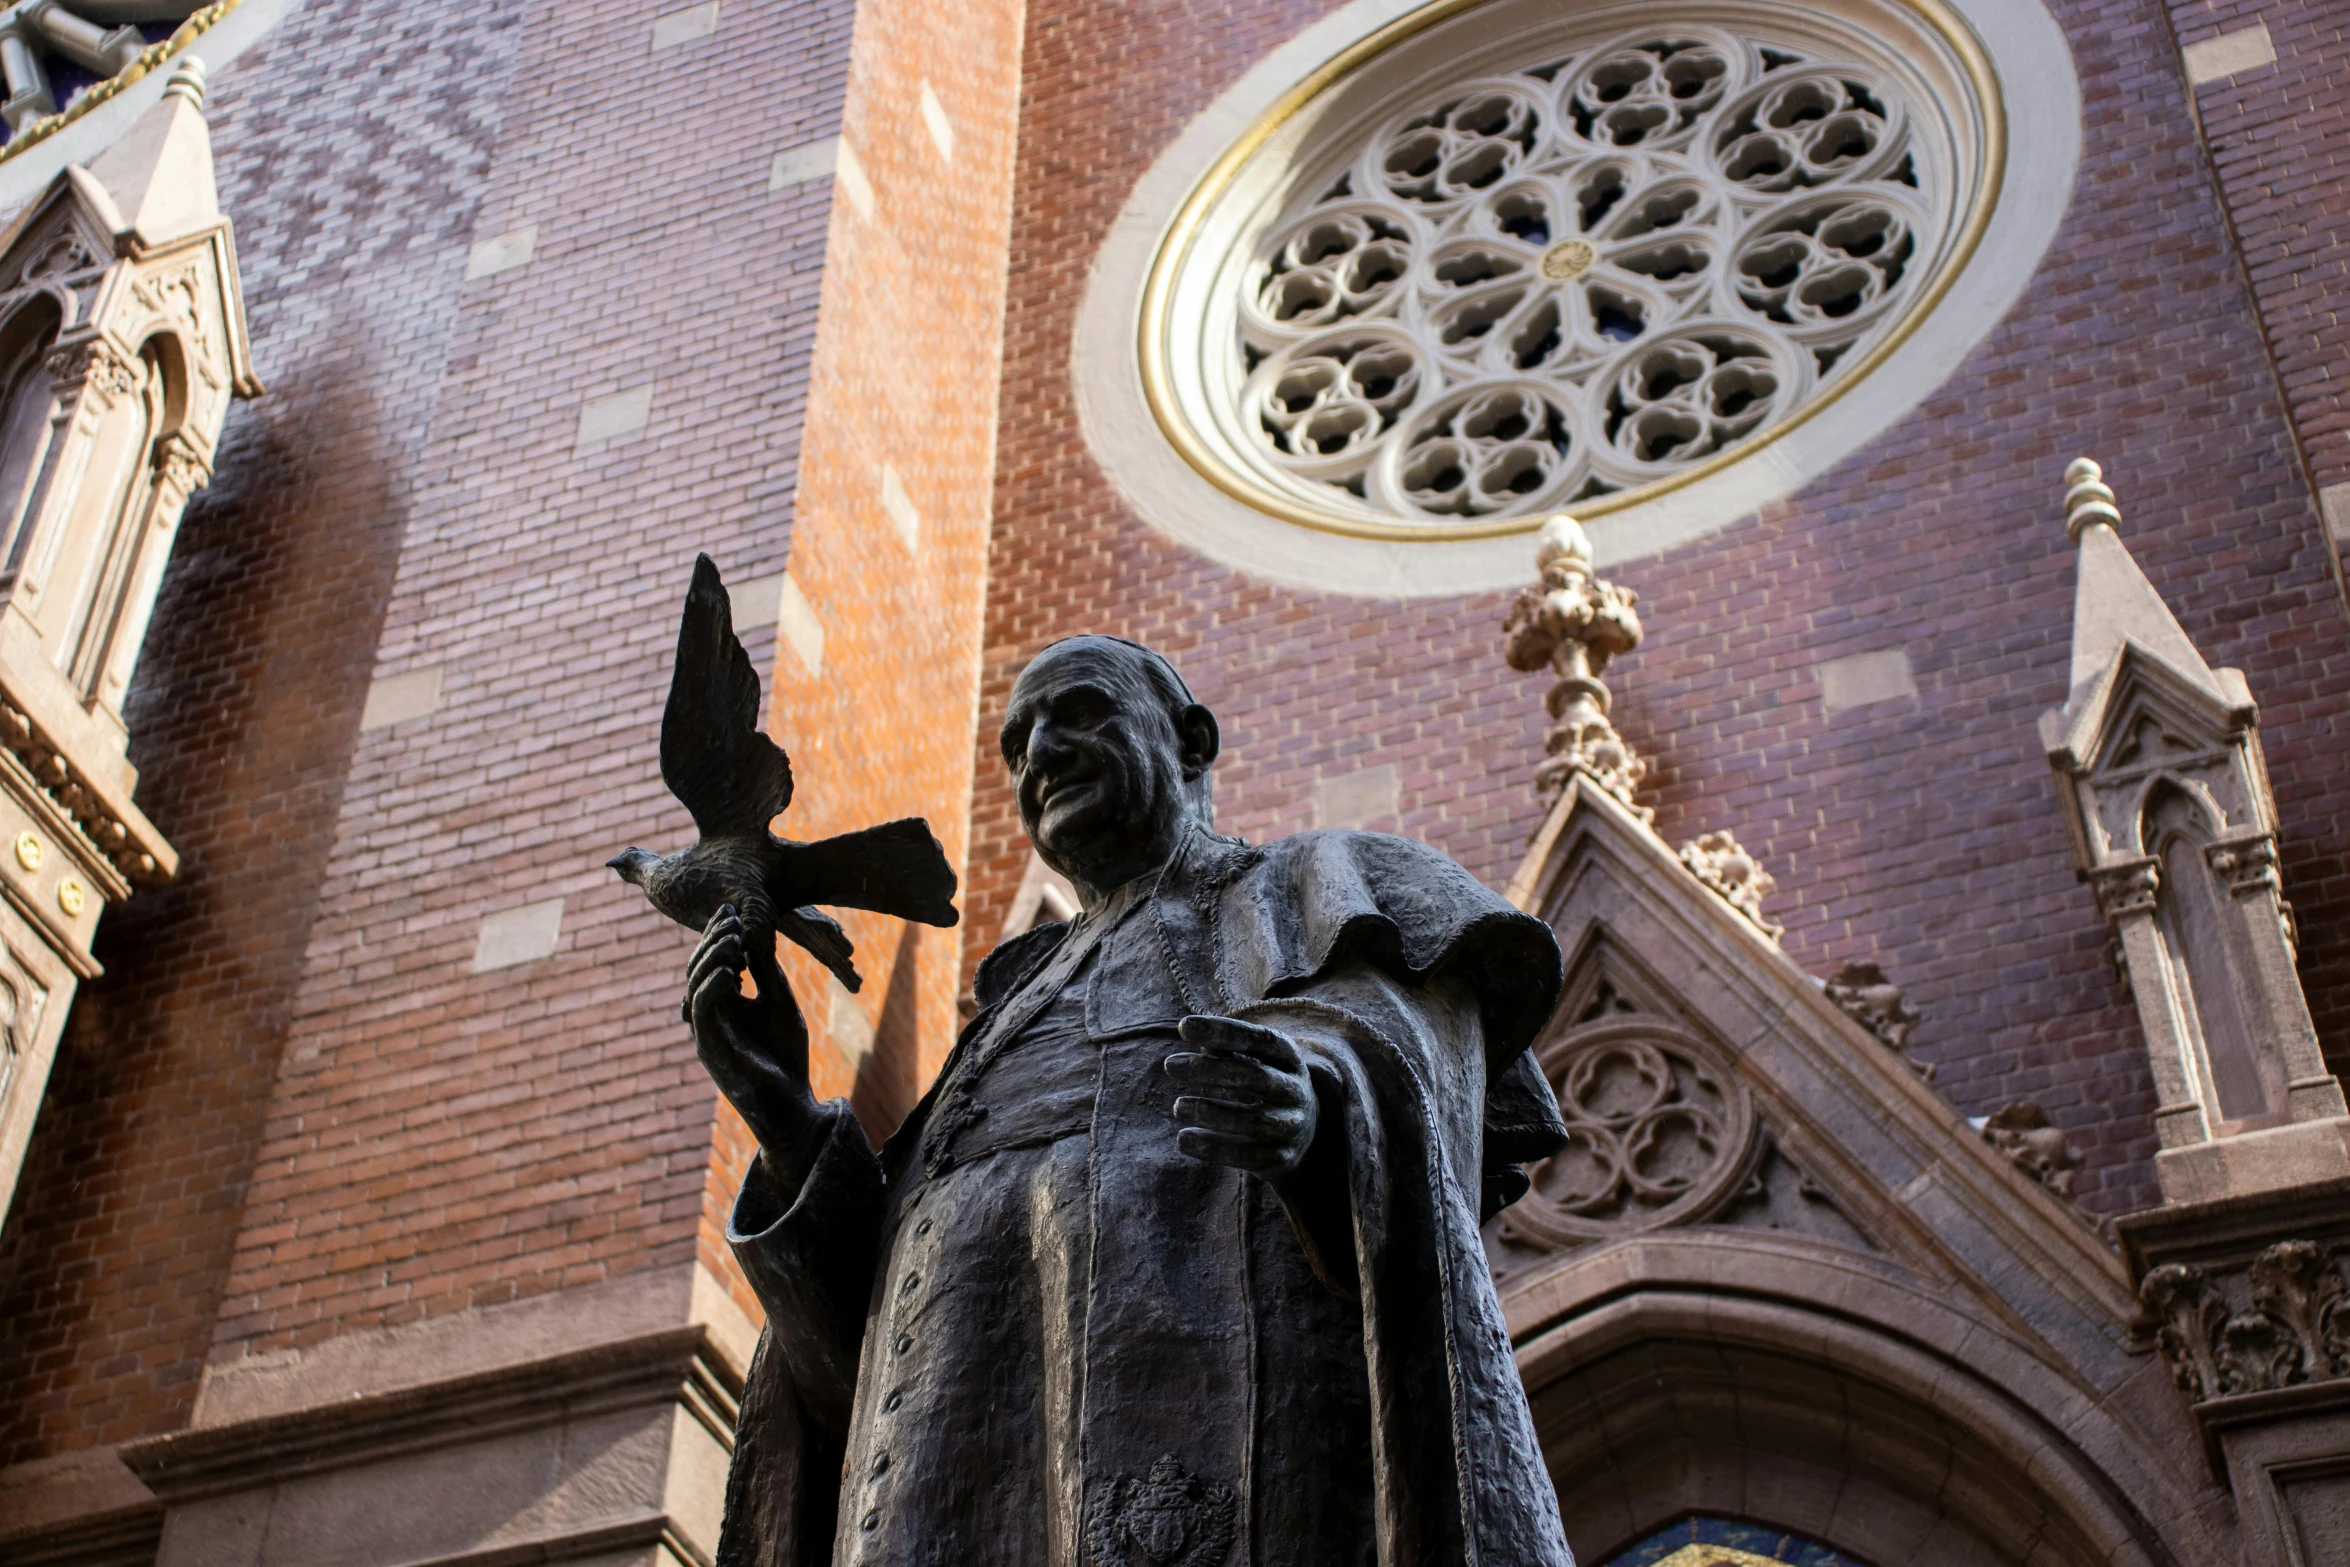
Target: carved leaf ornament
[(2296, 1328), (1579, 277), (1660, 1132)]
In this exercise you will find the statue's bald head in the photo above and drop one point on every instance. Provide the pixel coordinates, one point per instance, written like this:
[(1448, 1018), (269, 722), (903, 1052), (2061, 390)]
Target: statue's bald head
[(1109, 754)]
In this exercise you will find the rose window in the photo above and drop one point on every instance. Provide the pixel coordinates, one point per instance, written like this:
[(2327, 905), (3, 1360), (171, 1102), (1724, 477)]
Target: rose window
[(1536, 288), (1506, 257)]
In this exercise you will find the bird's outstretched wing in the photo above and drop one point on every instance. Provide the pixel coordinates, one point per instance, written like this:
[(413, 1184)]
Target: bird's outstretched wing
[(715, 757), (897, 868)]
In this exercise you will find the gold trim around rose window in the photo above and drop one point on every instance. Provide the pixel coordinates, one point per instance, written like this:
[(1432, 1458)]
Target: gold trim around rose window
[(1173, 250)]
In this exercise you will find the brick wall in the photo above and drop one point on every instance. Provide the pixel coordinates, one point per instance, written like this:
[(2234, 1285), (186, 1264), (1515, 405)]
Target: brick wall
[(290, 1107), (1920, 831), (891, 547), (2278, 134)]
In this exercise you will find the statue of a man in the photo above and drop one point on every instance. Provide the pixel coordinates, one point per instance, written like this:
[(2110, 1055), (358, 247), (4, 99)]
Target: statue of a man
[(1177, 1264)]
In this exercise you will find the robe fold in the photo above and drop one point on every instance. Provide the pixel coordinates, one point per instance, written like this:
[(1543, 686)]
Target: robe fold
[(1031, 1332)]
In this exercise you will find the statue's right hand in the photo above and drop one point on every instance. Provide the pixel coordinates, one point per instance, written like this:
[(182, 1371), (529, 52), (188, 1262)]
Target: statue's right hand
[(754, 1047)]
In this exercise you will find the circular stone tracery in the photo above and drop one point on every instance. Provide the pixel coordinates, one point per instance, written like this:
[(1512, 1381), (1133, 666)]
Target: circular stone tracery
[(1660, 1131), (1522, 290)]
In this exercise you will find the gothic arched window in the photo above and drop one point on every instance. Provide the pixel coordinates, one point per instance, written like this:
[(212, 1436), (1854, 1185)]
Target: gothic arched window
[(1725, 1542), (2191, 910), (28, 415)]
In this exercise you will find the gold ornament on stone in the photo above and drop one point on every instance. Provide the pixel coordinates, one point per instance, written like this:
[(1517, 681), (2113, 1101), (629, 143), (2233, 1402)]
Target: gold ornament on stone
[(1568, 260), (1573, 623), (28, 851), (70, 896)]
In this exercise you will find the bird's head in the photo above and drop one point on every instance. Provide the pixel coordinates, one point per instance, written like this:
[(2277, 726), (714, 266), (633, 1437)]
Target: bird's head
[(632, 865)]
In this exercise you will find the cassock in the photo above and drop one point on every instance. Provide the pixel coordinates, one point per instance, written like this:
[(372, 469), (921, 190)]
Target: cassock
[(1031, 1332)]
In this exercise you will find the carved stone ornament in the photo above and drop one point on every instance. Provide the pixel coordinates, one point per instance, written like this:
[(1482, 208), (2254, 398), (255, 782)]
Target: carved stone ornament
[(1661, 1132), (1866, 996), (1734, 876), (1167, 1518), (1573, 624), (2293, 1328)]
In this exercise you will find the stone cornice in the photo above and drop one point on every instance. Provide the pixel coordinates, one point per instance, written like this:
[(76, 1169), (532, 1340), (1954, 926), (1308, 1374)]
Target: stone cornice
[(676, 1365), (122, 844)]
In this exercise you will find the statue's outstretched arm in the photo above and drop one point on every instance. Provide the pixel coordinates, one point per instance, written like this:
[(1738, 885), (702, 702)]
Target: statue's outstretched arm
[(806, 1224)]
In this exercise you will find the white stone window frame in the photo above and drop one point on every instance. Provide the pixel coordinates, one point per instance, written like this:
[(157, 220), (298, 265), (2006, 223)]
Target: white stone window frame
[(2023, 75)]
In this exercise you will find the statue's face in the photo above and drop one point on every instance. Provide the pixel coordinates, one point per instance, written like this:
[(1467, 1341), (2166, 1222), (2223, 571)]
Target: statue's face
[(1097, 763)]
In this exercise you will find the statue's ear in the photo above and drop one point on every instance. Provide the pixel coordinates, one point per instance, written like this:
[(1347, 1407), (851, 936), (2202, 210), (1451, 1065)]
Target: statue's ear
[(1195, 726)]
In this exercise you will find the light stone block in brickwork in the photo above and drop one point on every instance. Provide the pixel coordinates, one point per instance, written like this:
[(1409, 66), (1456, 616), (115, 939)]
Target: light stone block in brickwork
[(757, 601), (1863, 679), (935, 121), (851, 1031), (800, 625), (519, 935), (809, 161), (503, 252), (680, 27), (613, 415), (2334, 501), (1358, 798), (2230, 54), (849, 174), (900, 508), (398, 699)]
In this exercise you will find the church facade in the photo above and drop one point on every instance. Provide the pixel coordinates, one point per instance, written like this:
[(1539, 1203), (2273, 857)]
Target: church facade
[(1945, 834)]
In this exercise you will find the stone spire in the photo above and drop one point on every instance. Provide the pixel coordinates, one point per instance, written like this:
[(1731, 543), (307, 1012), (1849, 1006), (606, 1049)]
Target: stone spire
[(159, 174), (1572, 623), (2159, 774)]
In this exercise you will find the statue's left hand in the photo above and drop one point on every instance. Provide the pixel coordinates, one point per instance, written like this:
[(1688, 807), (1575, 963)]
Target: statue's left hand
[(1248, 1099)]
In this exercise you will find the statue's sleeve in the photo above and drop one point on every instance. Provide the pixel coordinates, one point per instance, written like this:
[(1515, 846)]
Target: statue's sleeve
[(809, 1255), (1388, 1207)]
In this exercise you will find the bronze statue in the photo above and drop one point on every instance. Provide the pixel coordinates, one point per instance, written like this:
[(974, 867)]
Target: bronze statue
[(1177, 1264)]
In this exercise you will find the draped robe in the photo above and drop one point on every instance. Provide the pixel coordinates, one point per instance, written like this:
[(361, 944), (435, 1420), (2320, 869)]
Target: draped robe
[(1030, 1332)]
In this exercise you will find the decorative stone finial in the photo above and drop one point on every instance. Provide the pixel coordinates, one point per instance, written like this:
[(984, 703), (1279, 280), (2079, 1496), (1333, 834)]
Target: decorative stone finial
[(1734, 876), (1572, 623), (2087, 501), (1877, 1004), (187, 81)]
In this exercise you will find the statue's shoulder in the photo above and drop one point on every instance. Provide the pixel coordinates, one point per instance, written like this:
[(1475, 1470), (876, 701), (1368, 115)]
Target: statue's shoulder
[(1381, 864), (1003, 970), (1317, 899)]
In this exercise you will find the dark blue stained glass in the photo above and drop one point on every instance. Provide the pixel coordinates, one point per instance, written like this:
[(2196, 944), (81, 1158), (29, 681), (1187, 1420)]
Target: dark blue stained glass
[(1772, 1545)]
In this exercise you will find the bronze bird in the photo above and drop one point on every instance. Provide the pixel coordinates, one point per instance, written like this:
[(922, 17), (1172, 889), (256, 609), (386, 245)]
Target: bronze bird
[(734, 780)]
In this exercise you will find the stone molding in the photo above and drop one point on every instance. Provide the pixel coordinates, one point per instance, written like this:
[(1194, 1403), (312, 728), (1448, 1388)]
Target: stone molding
[(678, 1365)]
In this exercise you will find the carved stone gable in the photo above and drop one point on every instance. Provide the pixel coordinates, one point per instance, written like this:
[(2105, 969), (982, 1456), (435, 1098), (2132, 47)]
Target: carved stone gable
[(1713, 1088)]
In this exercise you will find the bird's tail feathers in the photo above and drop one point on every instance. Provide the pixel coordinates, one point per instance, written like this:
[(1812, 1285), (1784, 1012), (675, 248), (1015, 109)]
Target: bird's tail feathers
[(897, 868), (821, 934)]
